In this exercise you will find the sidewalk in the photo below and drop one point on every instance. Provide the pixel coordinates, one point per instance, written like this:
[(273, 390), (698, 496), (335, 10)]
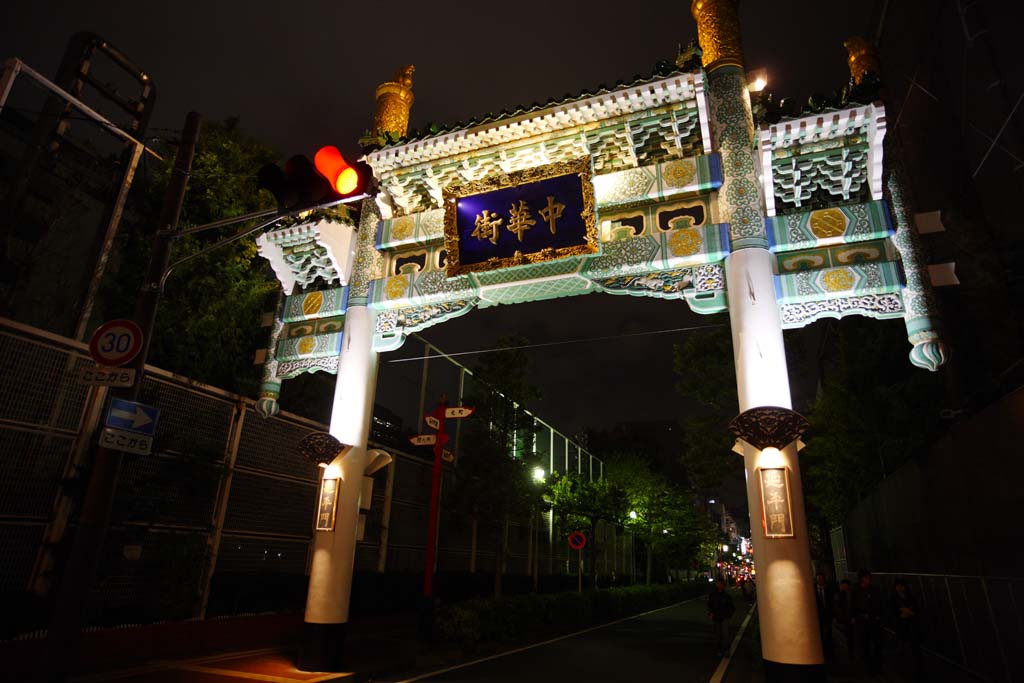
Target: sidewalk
[(897, 664), (259, 648)]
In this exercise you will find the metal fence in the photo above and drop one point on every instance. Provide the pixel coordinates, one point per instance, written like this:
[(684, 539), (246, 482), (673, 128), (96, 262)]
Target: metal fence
[(219, 518), (971, 622)]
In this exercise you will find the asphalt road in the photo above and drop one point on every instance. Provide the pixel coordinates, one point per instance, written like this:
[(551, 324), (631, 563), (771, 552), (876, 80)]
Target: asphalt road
[(674, 644)]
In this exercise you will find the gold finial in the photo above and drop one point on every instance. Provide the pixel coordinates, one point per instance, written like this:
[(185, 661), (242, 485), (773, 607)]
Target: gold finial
[(862, 58), (718, 31), (394, 100)]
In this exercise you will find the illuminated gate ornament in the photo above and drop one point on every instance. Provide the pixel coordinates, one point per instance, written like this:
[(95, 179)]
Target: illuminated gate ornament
[(621, 190), (539, 214)]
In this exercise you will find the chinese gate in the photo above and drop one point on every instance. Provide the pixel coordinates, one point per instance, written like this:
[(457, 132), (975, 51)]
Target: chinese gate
[(662, 187)]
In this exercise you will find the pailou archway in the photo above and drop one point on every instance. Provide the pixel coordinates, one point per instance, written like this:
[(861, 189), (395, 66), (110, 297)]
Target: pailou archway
[(662, 187)]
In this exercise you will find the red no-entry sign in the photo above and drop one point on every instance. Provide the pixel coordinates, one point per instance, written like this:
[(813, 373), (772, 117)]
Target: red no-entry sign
[(577, 540)]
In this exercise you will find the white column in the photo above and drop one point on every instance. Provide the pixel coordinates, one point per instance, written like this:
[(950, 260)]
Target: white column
[(330, 579), (786, 609)]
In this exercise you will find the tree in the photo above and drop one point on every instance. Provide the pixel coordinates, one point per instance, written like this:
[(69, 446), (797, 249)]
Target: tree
[(873, 412), (493, 483), (707, 380), (585, 503), (207, 324), (660, 512)]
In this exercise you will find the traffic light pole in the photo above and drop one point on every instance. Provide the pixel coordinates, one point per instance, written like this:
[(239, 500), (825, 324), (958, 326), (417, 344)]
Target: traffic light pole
[(83, 561)]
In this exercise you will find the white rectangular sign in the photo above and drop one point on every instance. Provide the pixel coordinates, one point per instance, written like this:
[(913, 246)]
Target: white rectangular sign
[(107, 377), (129, 442), (423, 440), (457, 412), (432, 422)]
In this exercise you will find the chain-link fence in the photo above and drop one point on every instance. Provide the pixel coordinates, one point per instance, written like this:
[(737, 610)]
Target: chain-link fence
[(218, 519)]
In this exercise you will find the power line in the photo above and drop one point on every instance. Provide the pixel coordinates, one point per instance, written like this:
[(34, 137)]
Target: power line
[(559, 343)]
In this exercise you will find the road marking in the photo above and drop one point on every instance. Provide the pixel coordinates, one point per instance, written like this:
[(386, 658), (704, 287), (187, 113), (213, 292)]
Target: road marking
[(724, 664), (542, 643)]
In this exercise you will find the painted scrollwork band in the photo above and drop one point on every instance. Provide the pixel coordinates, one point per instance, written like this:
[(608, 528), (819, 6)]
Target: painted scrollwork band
[(871, 305)]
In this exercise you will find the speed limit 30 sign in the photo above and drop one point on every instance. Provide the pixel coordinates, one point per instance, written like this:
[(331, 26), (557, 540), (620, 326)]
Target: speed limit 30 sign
[(115, 343)]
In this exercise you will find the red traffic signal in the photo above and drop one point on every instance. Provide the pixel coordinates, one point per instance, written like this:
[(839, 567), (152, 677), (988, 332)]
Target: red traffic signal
[(302, 183), (331, 165)]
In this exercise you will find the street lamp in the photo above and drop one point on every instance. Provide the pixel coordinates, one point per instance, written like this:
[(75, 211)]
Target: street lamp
[(632, 514), (538, 474)]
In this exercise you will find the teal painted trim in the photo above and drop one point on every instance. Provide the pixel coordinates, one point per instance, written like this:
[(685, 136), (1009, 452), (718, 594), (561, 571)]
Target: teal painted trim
[(707, 303), (324, 345), (653, 252), (335, 302), (841, 282), (658, 182), (418, 229), (749, 243), (864, 222), (419, 289)]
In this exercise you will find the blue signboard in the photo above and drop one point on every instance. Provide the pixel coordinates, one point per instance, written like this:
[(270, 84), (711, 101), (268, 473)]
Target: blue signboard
[(530, 216), (130, 416)]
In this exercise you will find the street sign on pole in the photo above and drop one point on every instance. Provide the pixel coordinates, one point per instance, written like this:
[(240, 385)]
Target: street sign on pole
[(115, 342), (132, 417), (423, 439), (447, 455), (432, 422), (129, 427), (107, 377), (129, 442), (458, 412), (577, 540)]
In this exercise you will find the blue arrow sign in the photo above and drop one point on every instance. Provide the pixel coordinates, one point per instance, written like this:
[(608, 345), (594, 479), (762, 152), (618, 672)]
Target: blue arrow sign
[(132, 417)]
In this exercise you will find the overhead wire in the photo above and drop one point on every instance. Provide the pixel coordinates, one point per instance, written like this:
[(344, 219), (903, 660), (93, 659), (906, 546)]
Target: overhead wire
[(563, 342)]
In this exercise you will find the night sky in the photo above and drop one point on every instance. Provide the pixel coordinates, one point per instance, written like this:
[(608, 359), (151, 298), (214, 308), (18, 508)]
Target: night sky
[(302, 74)]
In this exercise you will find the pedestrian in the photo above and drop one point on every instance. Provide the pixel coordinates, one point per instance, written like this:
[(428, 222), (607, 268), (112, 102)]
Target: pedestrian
[(843, 614), (720, 610), (824, 599), (906, 621), (868, 608)]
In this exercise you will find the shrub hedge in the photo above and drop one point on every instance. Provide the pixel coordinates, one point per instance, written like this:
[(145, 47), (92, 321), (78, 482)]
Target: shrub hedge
[(521, 617)]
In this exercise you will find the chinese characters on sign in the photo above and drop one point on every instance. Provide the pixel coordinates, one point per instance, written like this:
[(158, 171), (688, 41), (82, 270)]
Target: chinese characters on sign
[(776, 507), (539, 214), (327, 506)]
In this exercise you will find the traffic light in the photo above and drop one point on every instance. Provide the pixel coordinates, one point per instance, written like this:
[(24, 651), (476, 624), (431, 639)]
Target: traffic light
[(302, 183), (331, 165)]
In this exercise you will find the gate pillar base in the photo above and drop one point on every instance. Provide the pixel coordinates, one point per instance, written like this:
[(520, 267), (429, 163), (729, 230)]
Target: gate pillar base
[(777, 672), (322, 647)]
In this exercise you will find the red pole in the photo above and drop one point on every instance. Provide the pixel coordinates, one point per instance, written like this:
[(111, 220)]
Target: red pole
[(435, 500)]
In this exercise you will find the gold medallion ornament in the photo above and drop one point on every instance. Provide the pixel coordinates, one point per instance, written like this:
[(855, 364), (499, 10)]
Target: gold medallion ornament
[(685, 242), (838, 280), (312, 303), (396, 287), (718, 32), (826, 223), (306, 345), (402, 227), (679, 173)]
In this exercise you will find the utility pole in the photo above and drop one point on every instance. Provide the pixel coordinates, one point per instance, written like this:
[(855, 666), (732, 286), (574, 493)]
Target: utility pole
[(82, 564)]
